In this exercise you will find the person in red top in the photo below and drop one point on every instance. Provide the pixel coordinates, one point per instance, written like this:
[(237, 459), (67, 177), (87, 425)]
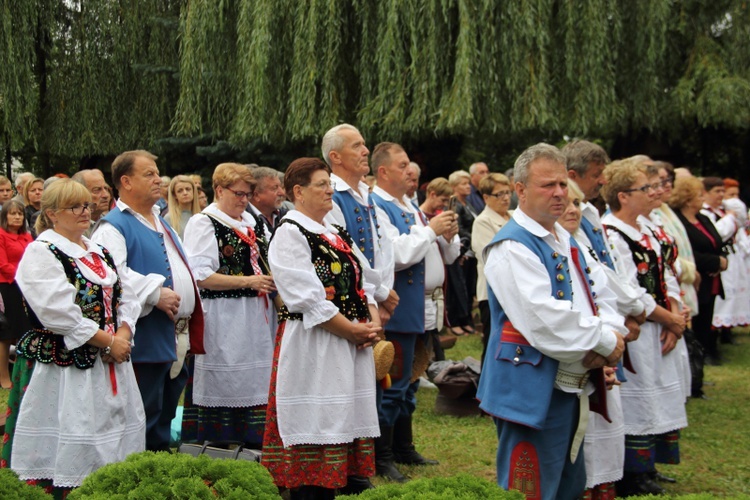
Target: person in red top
[(14, 237)]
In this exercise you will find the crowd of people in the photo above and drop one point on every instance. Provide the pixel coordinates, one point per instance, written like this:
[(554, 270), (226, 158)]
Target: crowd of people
[(265, 305)]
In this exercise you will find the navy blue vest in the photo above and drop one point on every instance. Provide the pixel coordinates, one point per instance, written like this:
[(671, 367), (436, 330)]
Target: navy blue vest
[(599, 244), (517, 380), (409, 283), (359, 221), (147, 254)]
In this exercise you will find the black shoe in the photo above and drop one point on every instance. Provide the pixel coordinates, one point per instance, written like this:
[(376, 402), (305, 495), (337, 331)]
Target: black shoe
[(404, 451), (699, 395), (356, 485), (712, 361), (411, 456), (658, 476), (633, 484), (384, 460), (312, 493)]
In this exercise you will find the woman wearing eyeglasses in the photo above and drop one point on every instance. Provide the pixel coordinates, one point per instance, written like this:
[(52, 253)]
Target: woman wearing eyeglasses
[(227, 254), (653, 399), (496, 191), (75, 404), (322, 416)]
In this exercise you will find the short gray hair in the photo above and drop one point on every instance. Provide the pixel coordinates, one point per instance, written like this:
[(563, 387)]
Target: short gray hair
[(260, 173), (474, 166), (532, 154), (579, 153), (416, 167), (23, 177), (332, 141)]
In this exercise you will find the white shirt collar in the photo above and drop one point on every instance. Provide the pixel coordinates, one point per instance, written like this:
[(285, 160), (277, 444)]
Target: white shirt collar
[(403, 202), (247, 219), (309, 224), (68, 247), (360, 193), (125, 207), (633, 233), (537, 230)]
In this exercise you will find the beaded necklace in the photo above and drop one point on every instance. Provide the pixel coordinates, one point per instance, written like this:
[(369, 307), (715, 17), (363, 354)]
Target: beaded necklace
[(95, 266)]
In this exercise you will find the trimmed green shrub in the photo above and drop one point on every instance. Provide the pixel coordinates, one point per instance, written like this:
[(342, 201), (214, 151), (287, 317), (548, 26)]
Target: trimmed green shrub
[(460, 487), (12, 487), (149, 475)]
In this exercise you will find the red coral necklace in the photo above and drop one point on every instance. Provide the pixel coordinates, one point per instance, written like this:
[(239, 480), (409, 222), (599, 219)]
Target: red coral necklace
[(95, 266)]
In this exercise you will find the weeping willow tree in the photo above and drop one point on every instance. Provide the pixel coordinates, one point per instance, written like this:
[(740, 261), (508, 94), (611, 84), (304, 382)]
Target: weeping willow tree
[(87, 77), (282, 70), (94, 77)]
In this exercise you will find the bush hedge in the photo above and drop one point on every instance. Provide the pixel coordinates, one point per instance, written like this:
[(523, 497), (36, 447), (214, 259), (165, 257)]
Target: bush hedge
[(149, 475), (12, 487)]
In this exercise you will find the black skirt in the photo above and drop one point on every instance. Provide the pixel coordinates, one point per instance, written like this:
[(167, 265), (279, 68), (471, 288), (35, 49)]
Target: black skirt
[(14, 311)]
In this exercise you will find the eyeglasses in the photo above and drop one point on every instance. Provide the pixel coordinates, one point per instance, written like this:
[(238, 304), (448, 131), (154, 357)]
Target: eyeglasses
[(79, 209), (239, 194), (666, 183), (324, 184), (501, 194), (646, 188)]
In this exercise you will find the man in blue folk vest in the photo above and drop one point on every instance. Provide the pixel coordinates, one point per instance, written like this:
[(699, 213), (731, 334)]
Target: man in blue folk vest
[(412, 237), (345, 151), (149, 255), (548, 337)]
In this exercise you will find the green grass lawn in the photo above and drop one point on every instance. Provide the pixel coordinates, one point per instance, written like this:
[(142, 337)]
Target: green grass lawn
[(714, 447)]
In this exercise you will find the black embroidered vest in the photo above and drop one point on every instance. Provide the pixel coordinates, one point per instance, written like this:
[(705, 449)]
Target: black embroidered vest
[(648, 265), (336, 271), (44, 346), (234, 259)]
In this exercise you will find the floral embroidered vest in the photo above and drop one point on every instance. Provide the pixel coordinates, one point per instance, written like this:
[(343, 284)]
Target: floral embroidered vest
[(234, 259), (44, 346), (650, 272), (338, 271)]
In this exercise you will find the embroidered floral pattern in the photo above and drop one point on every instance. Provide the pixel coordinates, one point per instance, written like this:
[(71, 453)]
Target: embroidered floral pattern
[(47, 347), (335, 267)]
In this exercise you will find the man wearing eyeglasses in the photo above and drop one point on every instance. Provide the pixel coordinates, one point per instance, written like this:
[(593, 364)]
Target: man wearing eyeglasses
[(268, 195), (149, 254)]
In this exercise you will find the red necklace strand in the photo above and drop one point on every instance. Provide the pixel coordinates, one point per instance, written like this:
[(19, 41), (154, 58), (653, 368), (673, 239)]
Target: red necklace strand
[(95, 266)]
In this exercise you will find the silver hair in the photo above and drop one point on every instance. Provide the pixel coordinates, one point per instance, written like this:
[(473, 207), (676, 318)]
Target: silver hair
[(532, 154), (474, 166), (456, 177), (260, 173), (23, 177), (332, 141), (416, 167)]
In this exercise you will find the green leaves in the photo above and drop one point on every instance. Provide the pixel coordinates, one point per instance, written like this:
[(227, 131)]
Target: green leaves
[(98, 77)]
